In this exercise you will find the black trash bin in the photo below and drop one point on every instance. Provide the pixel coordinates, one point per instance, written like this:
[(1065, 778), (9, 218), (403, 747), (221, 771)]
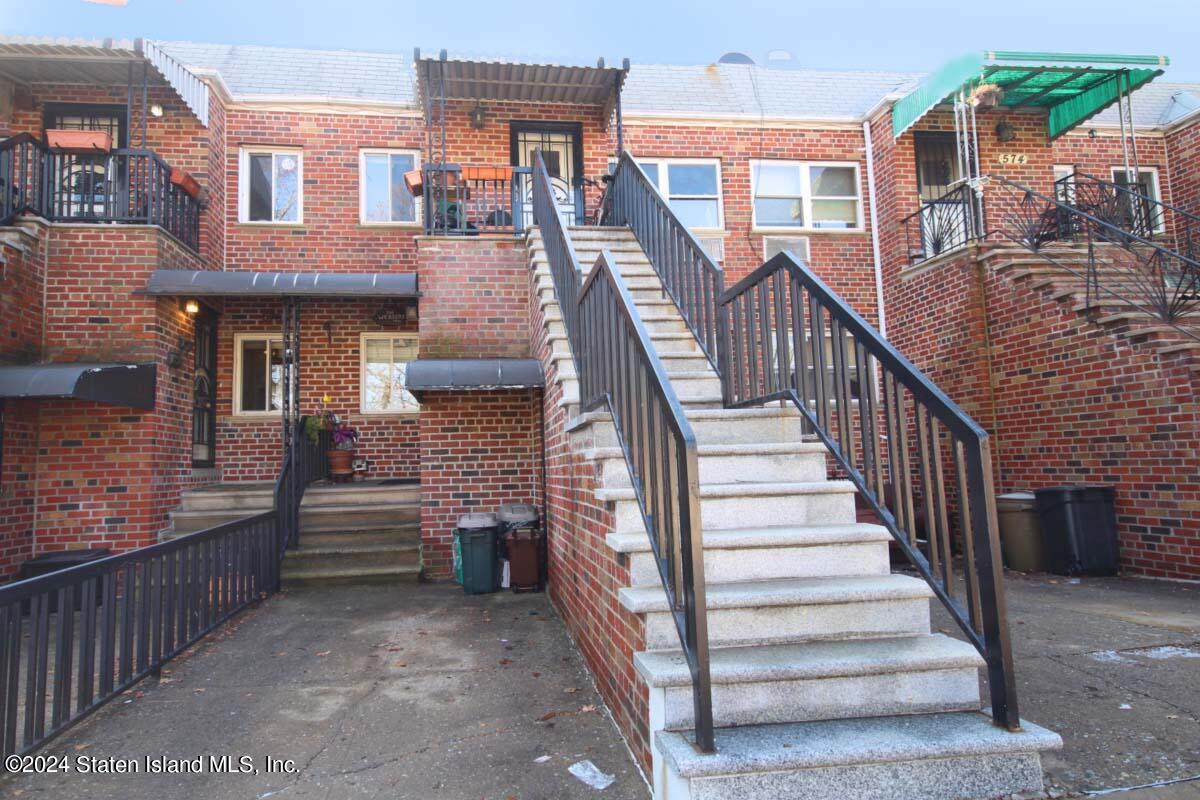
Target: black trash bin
[(477, 563), (1079, 529), (47, 563), (525, 544)]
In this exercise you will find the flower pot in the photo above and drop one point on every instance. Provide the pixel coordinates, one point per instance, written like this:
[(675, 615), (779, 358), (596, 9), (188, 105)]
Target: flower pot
[(414, 179), (185, 181), (341, 464), (79, 140), (487, 173)]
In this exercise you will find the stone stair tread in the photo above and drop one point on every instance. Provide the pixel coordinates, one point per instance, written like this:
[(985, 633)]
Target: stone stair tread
[(748, 449), (351, 547), (784, 592), (749, 488), (327, 573), (812, 660), (750, 538), (844, 742)]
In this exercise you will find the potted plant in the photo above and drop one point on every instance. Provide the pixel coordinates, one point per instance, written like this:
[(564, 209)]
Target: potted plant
[(987, 95), (342, 437), (185, 181)]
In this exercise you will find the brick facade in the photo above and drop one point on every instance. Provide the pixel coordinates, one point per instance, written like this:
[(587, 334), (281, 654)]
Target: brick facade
[(1183, 154)]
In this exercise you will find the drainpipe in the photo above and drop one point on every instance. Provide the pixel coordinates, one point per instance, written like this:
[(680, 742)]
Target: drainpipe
[(874, 229)]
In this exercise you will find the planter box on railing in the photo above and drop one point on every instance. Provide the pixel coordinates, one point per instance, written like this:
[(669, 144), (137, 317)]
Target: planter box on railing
[(487, 173), (90, 141), (185, 181)]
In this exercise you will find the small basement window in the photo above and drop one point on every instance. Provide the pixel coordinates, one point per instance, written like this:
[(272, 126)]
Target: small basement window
[(272, 186), (385, 358), (257, 374)]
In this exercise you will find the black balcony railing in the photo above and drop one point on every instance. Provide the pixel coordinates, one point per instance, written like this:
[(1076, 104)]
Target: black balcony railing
[(943, 225), (124, 185), (1132, 210), (464, 201)]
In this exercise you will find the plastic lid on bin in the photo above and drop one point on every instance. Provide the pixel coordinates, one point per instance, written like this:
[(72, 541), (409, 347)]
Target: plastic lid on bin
[(518, 513), (484, 519), (1020, 499)]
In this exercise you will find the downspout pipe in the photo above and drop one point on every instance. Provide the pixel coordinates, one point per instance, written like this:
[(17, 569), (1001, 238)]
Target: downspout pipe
[(874, 229)]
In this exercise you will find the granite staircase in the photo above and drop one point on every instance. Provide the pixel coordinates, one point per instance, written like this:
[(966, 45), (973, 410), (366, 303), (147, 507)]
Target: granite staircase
[(365, 532), (827, 680)]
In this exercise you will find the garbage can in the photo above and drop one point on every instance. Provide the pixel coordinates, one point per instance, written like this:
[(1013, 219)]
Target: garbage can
[(57, 560), (1079, 529), (526, 546), (476, 565), (1020, 536)]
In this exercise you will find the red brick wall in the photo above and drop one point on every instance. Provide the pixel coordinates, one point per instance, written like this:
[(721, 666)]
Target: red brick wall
[(18, 484), (22, 281), (479, 450), (1183, 154)]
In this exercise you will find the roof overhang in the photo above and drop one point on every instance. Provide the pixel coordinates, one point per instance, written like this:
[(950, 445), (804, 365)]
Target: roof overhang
[(210, 283), (129, 385), (1072, 87), (472, 374), (471, 79), (27, 61)]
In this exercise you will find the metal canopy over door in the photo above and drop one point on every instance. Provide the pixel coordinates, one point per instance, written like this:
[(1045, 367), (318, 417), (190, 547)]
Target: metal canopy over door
[(204, 395), (561, 144)]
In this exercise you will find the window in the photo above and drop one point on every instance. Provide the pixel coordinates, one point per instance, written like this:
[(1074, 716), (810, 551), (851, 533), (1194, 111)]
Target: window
[(814, 195), (385, 358), (272, 186), (1064, 183), (257, 374), (384, 198), (1147, 184), (692, 188)]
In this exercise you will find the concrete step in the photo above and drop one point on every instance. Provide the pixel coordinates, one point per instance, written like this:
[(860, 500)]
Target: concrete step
[(351, 555), (732, 463), (920, 757), (259, 496), (773, 553), (711, 426), (725, 506), (781, 683), (793, 609), (331, 576), (321, 518), (397, 535)]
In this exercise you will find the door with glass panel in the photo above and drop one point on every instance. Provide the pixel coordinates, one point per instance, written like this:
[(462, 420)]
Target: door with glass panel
[(204, 390), (562, 149), (88, 185), (944, 210)]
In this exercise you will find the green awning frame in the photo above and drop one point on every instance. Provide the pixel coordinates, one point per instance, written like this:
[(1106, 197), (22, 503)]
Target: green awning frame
[(1073, 87)]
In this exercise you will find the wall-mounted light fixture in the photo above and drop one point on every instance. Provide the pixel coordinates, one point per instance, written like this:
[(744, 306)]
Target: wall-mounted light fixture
[(192, 307), (183, 345), (478, 116), (1004, 131), (156, 110)]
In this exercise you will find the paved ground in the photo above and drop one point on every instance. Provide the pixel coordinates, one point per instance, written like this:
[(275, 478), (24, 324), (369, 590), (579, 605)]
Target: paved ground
[(407, 692), (421, 692)]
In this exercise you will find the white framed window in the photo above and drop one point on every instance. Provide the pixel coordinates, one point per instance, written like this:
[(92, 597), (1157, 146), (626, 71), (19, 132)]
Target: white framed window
[(271, 185), (384, 359), (383, 197), (806, 195), (692, 187), (1147, 184), (257, 373), (1064, 183)]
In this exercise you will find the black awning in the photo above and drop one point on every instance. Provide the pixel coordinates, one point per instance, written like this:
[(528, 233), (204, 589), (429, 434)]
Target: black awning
[(210, 283), (116, 384), (473, 374)]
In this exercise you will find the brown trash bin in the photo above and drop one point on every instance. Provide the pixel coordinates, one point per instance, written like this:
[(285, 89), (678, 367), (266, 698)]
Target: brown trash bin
[(1020, 532), (526, 545)]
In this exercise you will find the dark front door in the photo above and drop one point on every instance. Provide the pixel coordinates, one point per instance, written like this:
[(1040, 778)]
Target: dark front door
[(204, 391), (937, 164), (88, 185), (561, 144)]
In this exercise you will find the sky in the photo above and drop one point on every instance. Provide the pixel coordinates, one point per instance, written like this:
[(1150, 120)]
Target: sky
[(836, 34)]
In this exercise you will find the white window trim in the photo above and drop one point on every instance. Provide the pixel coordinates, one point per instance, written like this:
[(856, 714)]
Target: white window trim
[(238, 339), (362, 374), (664, 186), (415, 222), (244, 153), (1161, 227), (806, 198)]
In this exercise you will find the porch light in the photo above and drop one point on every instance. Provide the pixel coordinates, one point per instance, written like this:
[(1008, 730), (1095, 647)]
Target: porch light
[(478, 116), (1004, 131), (192, 307), (156, 110)]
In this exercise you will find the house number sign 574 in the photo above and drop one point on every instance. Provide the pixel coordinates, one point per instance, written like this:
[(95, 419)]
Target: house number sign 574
[(1012, 158)]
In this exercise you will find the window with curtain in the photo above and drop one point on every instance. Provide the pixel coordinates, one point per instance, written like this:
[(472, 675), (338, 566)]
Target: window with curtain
[(385, 358)]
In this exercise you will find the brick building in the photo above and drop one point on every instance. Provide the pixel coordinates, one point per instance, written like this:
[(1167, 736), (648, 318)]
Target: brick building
[(269, 232)]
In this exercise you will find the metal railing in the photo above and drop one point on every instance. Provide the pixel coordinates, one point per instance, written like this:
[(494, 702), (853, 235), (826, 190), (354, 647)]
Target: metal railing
[(688, 273), (1119, 266), (74, 639), (891, 430), (1133, 211), (465, 201), (619, 369), (943, 225), (124, 185), (303, 463)]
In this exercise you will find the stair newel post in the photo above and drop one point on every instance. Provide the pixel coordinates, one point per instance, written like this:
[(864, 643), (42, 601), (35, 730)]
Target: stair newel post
[(696, 603)]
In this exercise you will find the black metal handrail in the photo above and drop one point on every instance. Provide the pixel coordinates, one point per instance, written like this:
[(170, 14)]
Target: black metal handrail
[(1133, 211), (303, 463), (943, 225), (459, 200), (72, 640), (1119, 265), (619, 369), (124, 185), (891, 430), (688, 273)]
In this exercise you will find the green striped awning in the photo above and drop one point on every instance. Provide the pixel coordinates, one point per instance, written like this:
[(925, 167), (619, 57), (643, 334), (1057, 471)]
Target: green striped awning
[(1073, 87)]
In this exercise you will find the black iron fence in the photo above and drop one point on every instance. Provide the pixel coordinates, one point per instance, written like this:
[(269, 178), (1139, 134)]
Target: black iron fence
[(1132, 210), (619, 369), (124, 185), (943, 225), (913, 455), (461, 200)]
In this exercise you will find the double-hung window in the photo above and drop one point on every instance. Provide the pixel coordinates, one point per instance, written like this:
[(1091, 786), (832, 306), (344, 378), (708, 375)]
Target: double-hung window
[(1148, 216), (809, 195), (257, 373), (692, 187), (272, 185), (385, 358), (384, 198)]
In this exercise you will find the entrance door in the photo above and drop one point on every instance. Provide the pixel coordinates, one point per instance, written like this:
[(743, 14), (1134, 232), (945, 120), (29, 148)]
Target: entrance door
[(86, 184), (944, 222), (204, 394), (937, 164), (562, 148)]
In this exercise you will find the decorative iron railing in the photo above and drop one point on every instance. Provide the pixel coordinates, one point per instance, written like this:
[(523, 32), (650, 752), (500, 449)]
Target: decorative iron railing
[(1133, 211), (1119, 266), (303, 463), (944, 224), (465, 201), (687, 271), (619, 369), (124, 185), (896, 436)]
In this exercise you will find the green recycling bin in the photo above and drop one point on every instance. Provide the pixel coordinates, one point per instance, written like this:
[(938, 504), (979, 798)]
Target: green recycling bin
[(476, 563)]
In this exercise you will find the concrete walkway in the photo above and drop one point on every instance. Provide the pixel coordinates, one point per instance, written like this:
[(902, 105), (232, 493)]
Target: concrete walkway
[(373, 692)]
